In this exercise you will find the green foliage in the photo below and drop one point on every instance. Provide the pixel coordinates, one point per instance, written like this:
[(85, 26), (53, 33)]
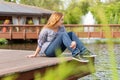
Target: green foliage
[(104, 20), (63, 71), (73, 16), (37, 76), (1, 22), (47, 4), (3, 41), (10, 77), (42, 20), (30, 22), (84, 5), (59, 73), (75, 10), (112, 12)]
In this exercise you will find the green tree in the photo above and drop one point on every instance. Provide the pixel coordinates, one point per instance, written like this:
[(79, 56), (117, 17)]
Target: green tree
[(112, 11), (75, 10), (48, 4)]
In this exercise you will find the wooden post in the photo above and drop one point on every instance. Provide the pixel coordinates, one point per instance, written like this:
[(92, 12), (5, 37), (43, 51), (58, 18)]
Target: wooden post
[(24, 32), (88, 32), (10, 33), (37, 29), (112, 33), (101, 33)]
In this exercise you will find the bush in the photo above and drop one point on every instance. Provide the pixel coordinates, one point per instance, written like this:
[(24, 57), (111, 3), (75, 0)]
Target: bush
[(3, 41)]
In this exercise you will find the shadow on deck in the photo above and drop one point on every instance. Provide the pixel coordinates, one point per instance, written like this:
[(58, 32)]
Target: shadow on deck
[(15, 62)]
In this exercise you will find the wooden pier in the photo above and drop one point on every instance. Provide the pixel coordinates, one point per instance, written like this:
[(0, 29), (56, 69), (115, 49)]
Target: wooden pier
[(15, 62), (32, 31)]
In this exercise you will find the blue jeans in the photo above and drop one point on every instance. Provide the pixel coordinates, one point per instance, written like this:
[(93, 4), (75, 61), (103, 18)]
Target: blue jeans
[(63, 41)]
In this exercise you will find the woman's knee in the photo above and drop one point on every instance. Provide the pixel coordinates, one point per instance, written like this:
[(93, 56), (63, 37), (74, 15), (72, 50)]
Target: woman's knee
[(62, 33), (71, 34)]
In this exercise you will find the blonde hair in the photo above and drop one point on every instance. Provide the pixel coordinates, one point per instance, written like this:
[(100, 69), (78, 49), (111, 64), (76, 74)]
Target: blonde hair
[(6, 21), (54, 19)]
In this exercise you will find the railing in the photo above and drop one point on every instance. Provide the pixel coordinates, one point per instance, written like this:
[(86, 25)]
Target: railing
[(96, 31), (20, 31), (83, 31)]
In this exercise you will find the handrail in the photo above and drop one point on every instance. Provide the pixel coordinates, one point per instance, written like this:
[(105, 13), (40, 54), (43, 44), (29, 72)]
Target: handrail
[(67, 25), (95, 25)]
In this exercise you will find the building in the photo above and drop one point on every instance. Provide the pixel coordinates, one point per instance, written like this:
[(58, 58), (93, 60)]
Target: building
[(20, 14)]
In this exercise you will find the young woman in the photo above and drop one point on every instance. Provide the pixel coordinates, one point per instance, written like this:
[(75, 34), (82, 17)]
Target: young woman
[(53, 36), (6, 22)]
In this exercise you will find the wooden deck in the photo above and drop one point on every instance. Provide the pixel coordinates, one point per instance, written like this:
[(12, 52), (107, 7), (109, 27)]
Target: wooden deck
[(15, 61)]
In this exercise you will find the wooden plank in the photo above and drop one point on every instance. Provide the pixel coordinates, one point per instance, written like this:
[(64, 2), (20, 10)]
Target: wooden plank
[(17, 35), (34, 35), (15, 61), (5, 35), (116, 34), (95, 34), (31, 35), (82, 34)]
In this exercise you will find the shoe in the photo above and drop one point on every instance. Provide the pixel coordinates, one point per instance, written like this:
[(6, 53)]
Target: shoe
[(87, 53), (79, 58)]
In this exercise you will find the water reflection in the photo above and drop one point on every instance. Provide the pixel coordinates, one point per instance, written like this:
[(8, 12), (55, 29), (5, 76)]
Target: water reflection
[(22, 46), (32, 46)]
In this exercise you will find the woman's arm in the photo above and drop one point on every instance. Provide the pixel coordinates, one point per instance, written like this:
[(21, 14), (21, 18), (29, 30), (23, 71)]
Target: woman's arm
[(41, 40), (35, 54)]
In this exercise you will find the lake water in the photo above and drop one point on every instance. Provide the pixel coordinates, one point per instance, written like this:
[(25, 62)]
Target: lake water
[(103, 62), (22, 46)]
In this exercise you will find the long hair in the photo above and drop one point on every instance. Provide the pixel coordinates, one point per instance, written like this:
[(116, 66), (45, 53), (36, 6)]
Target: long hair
[(54, 19)]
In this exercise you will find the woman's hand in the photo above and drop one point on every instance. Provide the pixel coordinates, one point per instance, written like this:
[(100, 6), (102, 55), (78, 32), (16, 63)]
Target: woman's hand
[(31, 56), (73, 45), (35, 54)]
